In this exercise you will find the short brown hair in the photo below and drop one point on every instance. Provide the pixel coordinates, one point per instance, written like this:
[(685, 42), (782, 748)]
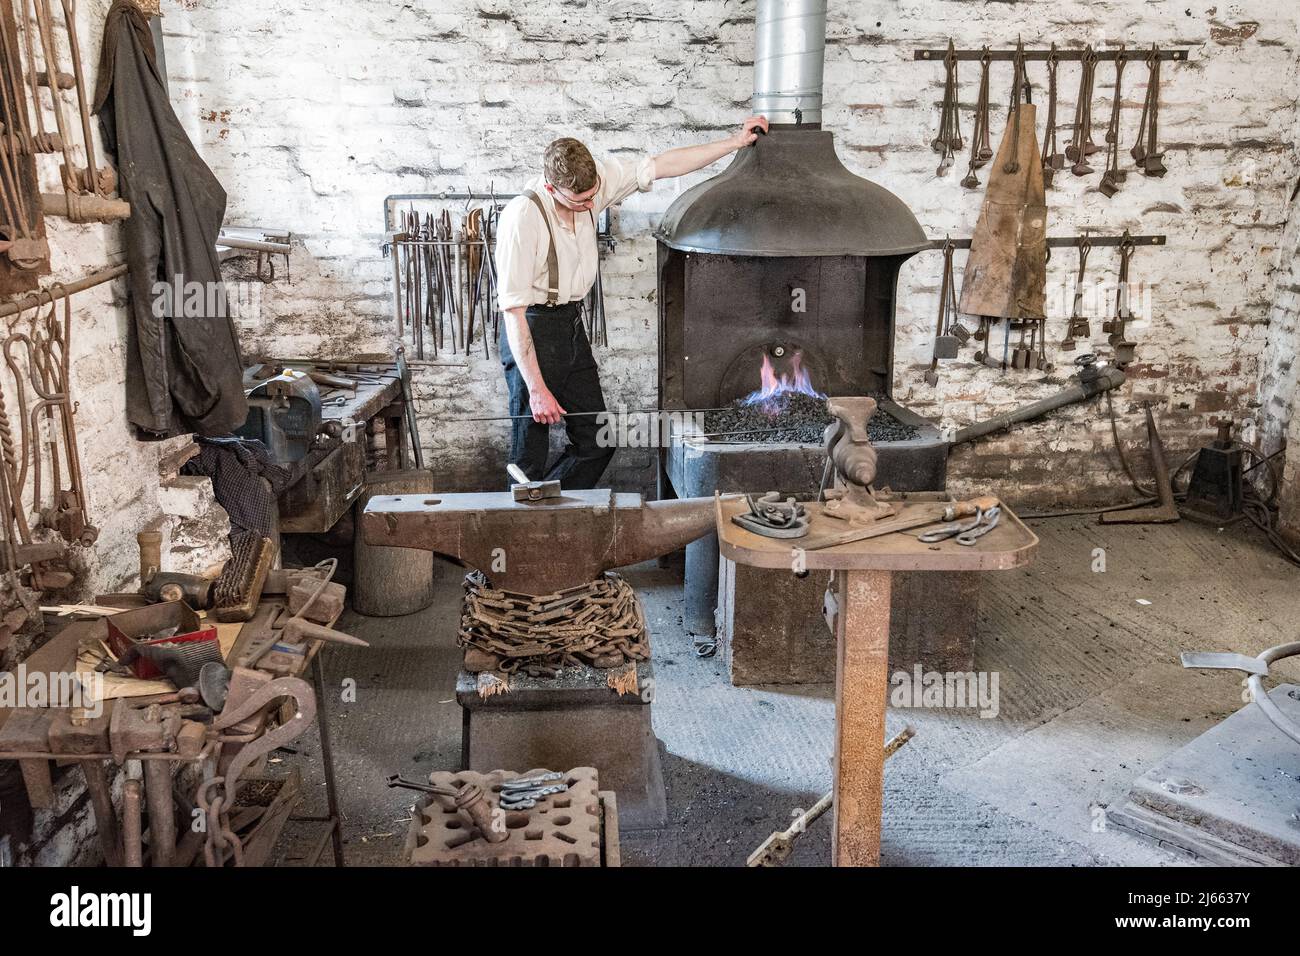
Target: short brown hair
[(568, 165)]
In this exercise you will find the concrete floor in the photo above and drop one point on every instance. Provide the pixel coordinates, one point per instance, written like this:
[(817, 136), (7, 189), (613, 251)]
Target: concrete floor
[(1091, 695)]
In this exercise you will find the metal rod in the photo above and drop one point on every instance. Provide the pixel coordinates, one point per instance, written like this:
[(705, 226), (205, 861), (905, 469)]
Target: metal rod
[(327, 760), (257, 245), (1070, 242), (628, 411), (1043, 54), (63, 290)]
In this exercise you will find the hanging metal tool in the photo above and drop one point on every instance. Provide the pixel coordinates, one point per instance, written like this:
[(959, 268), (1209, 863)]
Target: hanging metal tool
[(1081, 145), (949, 140), (1145, 151), (947, 341), (1114, 176), (1019, 84), (1117, 328), (1051, 159), (88, 192), (981, 150), (1078, 326)]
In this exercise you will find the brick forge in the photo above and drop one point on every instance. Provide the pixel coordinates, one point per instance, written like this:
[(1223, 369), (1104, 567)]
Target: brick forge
[(578, 827)]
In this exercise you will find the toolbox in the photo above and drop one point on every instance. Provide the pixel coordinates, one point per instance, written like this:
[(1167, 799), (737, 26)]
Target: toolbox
[(141, 625)]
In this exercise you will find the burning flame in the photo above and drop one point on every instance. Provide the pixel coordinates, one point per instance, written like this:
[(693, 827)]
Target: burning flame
[(775, 386)]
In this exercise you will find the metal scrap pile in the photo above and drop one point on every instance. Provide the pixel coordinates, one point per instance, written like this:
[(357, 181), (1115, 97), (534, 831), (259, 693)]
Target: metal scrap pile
[(792, 417), (600, 624)]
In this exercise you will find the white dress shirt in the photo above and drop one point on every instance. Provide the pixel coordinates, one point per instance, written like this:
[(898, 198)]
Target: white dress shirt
[(521, 240)]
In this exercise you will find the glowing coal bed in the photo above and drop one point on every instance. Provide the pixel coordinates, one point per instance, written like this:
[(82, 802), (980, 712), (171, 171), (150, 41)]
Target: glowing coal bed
[(787, 408), (792, 417)]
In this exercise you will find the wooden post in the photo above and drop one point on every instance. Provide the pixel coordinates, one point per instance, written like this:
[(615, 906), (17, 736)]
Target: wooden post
[(861, 681)]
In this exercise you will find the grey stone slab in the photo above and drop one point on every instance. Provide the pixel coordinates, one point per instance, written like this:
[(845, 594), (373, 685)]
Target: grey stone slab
[(1231, 795)]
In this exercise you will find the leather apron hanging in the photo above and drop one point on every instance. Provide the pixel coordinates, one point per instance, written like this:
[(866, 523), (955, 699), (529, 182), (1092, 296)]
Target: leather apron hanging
[(1006, 271)]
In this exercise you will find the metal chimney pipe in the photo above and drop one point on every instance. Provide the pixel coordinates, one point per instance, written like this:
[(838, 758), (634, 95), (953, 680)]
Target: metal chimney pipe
[(790, 48)]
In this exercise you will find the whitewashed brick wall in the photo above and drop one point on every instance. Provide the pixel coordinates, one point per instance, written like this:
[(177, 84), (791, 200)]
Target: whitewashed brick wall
[(313, 112), (121, 473), (1278, 384)]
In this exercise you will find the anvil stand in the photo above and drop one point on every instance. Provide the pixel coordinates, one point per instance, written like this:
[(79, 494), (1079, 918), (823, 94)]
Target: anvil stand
[(858, 604), (539, 546)]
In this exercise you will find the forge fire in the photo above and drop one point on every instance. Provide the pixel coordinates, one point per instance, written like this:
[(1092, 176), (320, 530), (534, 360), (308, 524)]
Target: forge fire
[(787, 407)]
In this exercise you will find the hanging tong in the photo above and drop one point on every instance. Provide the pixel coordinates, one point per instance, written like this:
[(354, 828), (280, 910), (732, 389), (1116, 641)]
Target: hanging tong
[(1145, 151), (946, 342), (981, 148), (88, 192), (1125, 350), (1081, 145), (1078, 323), (1019, 83), (1052, 160), (949, 140), (1114, 176)]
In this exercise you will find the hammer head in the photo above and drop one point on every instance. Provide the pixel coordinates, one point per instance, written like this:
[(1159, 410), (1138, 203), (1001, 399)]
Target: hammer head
[(535, 490)]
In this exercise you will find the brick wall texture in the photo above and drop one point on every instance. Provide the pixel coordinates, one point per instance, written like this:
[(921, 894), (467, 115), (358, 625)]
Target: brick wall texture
[(313, 113)]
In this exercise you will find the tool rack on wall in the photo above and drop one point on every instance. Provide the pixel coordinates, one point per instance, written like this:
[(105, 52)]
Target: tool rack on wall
[(444, 273), (1030, 353), (1145, 151)]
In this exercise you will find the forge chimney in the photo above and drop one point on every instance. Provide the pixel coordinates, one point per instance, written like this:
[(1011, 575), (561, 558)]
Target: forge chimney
[(789, 194), (789, 53)]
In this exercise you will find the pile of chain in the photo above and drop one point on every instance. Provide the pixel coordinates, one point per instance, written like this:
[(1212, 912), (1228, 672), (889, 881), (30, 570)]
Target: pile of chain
[(600, 624)]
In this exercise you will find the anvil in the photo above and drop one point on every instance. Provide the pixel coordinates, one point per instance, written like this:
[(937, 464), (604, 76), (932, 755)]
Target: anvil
[(538, 547)]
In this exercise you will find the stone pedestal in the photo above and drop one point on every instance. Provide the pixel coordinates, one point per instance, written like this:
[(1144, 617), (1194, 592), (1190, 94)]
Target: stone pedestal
[(771, 629), (575, 720)]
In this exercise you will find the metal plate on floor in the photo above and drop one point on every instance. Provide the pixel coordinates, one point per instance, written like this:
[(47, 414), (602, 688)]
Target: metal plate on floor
[(1230, 797)]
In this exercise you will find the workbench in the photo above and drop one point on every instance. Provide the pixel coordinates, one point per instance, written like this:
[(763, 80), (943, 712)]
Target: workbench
[(23, 729), (857, 612), (334, 477)]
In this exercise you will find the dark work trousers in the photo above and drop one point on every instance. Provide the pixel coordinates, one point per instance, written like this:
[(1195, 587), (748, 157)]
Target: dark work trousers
[(569, 371)]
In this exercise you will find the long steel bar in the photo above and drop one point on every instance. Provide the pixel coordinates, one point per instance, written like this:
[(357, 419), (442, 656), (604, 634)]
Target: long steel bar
[(628, 411), (1070, 242), (1041, 54), (63, 290)]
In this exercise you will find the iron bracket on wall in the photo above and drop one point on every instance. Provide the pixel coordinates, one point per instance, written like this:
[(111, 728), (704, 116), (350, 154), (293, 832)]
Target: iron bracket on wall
[(1133, 53), (1069, 242), (604, 237)]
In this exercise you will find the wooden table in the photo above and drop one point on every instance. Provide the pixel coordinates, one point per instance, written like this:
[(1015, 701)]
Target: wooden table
[(857, 611)]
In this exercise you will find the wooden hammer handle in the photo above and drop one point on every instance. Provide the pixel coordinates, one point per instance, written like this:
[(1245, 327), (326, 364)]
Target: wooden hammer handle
[(970, 508)]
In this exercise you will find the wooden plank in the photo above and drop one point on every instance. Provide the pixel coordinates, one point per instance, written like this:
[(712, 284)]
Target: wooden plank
[(58, 655)]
